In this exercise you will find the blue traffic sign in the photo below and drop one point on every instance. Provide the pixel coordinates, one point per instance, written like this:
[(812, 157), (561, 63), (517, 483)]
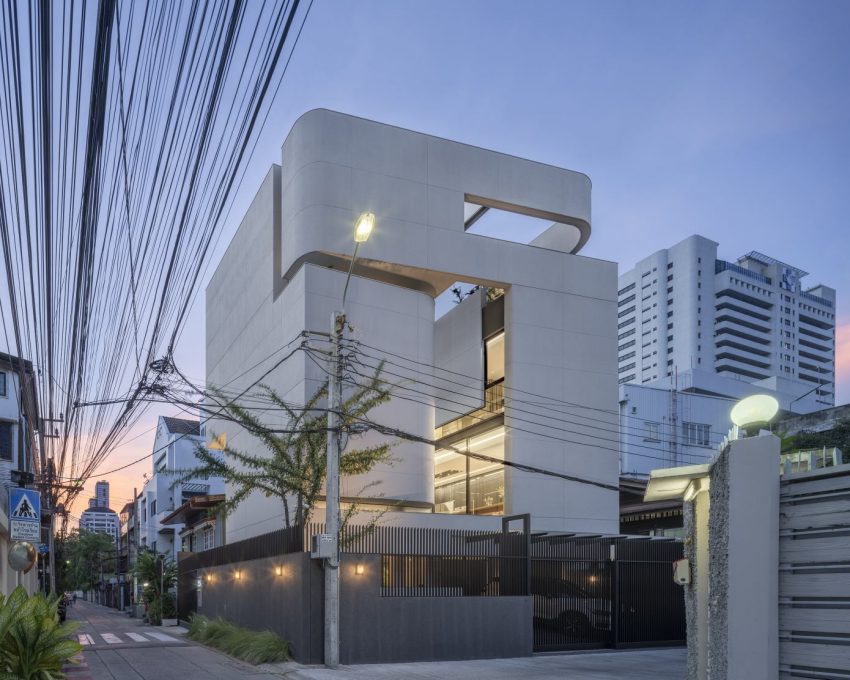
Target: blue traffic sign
[(24, 515)]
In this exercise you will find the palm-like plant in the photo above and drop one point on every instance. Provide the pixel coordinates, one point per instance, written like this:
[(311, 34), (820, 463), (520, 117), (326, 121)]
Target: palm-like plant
[(160, 575), (33, 644)]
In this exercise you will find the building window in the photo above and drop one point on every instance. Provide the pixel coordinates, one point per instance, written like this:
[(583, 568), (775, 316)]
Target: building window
[(2, 384), (208, 536), (466, 485), (153, 508), (495, 356), (6, 441), (696, 434), (652, 432)]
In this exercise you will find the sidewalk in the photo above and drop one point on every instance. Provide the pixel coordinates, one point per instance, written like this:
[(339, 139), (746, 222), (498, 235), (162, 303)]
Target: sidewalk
[(644, 664)]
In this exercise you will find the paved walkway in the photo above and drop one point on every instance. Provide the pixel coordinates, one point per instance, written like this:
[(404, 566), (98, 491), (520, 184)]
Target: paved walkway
[(116, 647), (654, 664)]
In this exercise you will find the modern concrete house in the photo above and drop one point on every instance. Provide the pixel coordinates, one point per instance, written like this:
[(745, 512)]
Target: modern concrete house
[(523, 370)]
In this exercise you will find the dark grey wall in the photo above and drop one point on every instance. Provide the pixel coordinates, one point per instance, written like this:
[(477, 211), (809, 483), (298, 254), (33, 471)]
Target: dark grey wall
[(289, 604), (373, 629)]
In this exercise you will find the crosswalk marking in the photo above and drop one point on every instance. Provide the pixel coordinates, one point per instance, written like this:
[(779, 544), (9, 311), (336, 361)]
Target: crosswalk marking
[(136, 637), (85, 640), (111, 639), (162, 637)]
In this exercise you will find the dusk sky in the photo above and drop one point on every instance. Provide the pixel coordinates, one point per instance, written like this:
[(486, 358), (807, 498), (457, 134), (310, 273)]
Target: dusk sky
[(729, 120)]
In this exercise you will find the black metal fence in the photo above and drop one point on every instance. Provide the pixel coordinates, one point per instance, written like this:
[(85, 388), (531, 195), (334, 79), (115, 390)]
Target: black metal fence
[(605, 592)]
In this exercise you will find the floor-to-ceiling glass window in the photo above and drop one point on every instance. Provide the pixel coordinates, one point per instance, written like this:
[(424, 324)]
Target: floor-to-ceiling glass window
[(465, 484)]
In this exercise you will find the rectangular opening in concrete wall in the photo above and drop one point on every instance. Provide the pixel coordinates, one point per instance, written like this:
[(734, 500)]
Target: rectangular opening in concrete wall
[(507, 225)]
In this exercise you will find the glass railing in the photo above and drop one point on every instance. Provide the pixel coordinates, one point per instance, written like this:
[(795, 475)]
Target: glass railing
[(722, 265), (494, 403), (816, 299)]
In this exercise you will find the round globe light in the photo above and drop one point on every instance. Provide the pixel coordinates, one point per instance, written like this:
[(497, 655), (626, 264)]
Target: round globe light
[(754, 410)]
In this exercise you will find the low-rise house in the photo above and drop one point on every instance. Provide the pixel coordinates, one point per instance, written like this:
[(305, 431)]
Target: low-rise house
[(175, 449), (202, 522)]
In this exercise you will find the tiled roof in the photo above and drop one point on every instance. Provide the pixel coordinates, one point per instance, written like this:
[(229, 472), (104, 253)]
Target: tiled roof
[(182, 426)]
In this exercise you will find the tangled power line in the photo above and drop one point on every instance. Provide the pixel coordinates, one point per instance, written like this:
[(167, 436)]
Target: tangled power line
[(126, 127)]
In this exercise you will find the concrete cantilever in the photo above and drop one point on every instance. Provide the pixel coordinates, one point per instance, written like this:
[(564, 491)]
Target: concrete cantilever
[(337, 166)]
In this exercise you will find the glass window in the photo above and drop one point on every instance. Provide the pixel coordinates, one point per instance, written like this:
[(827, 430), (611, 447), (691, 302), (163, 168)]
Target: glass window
[(450, 480), (5, 441), (495, 348), (2, 384), (652, 431), (696, 434), (487, 478), (467, 485)]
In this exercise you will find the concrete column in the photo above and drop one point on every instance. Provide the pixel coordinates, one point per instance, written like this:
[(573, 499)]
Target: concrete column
[(743, 640), (696, 513)]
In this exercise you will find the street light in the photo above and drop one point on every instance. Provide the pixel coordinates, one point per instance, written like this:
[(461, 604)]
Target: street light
[(362, 229)]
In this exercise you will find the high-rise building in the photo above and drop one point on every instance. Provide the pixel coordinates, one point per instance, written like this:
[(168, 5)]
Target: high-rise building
[(682, 308), (98, 519), (101, 494)]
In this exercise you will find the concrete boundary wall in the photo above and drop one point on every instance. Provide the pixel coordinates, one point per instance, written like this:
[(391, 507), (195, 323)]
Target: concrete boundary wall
[(284, 594)]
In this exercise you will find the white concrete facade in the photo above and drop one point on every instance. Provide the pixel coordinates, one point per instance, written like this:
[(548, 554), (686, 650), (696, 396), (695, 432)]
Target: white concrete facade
[(174, 453), (284, 272), (683, 308)]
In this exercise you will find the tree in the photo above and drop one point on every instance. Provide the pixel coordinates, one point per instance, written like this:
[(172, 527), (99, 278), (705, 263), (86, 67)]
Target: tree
[(295, 470), (838, 436), (88, 556), (157, 574)]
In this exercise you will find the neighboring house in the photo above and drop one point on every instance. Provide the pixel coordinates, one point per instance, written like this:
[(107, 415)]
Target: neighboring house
[(203, 524), (128, 536), (18, 413), (504, 378), (683, 308), (174, 448)]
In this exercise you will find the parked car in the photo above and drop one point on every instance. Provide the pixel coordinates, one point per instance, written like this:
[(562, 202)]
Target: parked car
[(569, 608)]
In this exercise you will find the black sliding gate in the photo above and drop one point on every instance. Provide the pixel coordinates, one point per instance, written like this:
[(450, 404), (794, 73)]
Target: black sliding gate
[(584, 598)]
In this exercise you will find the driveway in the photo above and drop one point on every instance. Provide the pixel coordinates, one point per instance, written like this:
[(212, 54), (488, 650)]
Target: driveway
[(654, 664)]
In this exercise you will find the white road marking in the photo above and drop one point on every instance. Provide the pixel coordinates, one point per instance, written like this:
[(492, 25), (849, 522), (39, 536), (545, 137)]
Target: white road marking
[(136, 637), (162, 637), (85, 639), (111, 639)]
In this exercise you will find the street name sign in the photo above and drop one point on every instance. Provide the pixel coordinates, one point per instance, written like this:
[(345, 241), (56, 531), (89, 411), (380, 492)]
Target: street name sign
[(24, 515)]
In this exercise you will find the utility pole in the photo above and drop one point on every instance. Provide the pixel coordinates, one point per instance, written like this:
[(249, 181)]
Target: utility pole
[(332, 519), (362, 229)]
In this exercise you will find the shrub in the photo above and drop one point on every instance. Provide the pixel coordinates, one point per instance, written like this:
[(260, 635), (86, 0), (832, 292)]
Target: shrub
[(247, 645), (33, 645)]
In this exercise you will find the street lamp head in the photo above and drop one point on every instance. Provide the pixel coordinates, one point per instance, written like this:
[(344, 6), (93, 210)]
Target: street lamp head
[(363, 227)]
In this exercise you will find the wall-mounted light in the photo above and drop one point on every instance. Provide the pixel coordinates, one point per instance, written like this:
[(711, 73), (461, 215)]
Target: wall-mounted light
[(360, 569), (145, 584), (278, 571), (209, 578), (759, 409), (237, 575)]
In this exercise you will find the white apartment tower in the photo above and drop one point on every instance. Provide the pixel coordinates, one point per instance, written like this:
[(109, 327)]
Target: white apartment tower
[(683, 308)]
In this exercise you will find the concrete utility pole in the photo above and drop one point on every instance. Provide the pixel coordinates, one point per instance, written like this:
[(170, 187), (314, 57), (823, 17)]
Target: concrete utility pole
[(332, 519), (362, 229)]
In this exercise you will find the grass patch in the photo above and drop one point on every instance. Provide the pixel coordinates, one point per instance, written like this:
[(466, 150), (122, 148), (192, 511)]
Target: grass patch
[(248, 645)]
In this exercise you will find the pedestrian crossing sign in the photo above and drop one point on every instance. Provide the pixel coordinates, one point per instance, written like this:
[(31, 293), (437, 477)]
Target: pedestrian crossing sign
[(24, 515)]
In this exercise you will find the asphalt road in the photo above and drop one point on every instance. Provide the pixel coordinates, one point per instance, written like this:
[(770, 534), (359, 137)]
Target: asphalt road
[(116, 647)]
